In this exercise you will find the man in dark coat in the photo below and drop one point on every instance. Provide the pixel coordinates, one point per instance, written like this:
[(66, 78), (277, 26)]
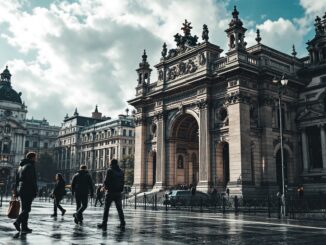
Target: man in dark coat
[(26, 189), (113, 183), (81, 187), (57, 194)]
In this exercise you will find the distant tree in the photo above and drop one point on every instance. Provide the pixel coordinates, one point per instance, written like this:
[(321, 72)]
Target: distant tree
[(45, 167), (127, 165)]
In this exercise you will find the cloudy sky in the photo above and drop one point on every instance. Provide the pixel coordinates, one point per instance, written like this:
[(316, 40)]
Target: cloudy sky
[(79, 53)]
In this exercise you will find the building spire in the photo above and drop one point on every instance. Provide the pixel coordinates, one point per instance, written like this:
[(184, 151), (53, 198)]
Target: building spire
[(96, 109), (144, 56), (294, 52), (76, 112), (5, 75), (258, 38), (235, 12)]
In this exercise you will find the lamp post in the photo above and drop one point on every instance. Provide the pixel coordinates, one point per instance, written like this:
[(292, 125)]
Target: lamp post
[(281, 85)]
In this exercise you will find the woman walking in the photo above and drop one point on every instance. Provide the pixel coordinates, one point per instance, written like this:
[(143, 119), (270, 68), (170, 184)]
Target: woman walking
[(58, 193)]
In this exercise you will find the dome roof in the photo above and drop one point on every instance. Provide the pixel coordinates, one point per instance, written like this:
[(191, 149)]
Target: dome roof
[(7, 93)]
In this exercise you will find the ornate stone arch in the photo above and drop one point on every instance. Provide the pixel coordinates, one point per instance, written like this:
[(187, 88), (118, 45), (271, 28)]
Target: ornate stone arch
[(286, 147), (175, 116)]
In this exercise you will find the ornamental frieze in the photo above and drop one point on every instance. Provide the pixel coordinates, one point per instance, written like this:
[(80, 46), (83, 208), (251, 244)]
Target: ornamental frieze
[(183, 67), (237, 97)]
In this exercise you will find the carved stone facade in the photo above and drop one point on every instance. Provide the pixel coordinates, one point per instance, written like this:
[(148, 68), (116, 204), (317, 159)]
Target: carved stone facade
[(212, 120)]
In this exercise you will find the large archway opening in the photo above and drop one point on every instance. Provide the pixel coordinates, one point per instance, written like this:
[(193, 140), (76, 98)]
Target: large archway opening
[(279, 168), (185, 151)]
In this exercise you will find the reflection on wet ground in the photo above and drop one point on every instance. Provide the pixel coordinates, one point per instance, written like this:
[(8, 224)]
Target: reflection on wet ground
[(159, 227)]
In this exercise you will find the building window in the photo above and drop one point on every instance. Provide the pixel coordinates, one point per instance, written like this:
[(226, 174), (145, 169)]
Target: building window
[(46, 145), (6, 148), (124, 132), (7, 129), (123, 151), (26, 143), (34, 144), (314, 143), (130, 133)]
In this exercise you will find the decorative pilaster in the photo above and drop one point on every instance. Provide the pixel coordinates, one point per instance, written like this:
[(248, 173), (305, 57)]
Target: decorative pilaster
[(323, 144), (304, 150), (160, 120), (204, 146)]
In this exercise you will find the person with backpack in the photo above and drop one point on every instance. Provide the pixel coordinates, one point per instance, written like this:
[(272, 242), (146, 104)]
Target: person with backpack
[(26, 189), (58, 193), (81, 187), (113, 184)]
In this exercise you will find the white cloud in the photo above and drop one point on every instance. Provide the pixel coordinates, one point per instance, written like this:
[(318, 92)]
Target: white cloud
[(280, 34), (86, 52), (314, 7)]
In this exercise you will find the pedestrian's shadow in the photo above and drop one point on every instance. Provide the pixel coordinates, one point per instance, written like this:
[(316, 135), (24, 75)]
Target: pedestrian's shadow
[(18, 235), (119, 235)]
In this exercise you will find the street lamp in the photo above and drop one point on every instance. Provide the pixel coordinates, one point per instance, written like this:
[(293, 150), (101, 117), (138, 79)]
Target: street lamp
[(281, 85)]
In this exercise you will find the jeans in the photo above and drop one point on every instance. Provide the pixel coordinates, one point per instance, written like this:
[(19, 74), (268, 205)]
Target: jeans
[(117, 199), (98, 199), (26, 202), (81, 201), (57, 205)]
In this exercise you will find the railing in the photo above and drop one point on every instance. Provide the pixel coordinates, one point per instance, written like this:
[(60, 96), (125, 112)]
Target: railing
[(269, 206)]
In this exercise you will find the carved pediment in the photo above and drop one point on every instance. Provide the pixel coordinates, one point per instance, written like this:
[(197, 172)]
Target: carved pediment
[(309, 114)]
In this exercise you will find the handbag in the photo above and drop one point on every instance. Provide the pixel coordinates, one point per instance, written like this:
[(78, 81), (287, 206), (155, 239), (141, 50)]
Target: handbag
[(14, 207)]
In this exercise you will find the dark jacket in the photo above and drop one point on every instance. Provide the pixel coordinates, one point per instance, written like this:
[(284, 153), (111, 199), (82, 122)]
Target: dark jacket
[(26, 183), (82, 183), (114, 180), (59, 189)]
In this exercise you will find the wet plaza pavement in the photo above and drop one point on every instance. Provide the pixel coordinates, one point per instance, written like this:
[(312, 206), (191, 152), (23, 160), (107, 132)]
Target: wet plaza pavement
[(159, 227)]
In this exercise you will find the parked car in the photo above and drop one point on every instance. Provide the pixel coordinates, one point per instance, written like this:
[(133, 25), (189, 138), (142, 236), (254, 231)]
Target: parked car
[(185, 197)]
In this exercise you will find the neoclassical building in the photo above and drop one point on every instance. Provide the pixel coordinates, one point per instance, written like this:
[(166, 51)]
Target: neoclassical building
[(94, 141), (41, 137), (212, 120), (12, 130)]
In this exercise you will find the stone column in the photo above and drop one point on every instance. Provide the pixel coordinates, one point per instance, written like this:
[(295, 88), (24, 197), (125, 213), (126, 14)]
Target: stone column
[(171, 166), (140, 153), (304, 150), (323, 144), (160, 156), (239, 145), (204, 148)]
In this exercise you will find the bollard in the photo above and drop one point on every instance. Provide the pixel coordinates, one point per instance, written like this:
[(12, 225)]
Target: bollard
[(1, 199), (201, 205), (236, 204), (166, 202), (135, 201), (223, 205), (269, 206), (155, 201), (145, 200), (279, 208)]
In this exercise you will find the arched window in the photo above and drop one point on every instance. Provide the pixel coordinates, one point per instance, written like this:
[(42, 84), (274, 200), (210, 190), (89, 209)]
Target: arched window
[(7, 129)]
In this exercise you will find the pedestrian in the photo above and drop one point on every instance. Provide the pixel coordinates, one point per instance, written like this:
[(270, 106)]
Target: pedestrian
[(81, 187), (113, 184), (26, 189), (99, 195), (57, 194)]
